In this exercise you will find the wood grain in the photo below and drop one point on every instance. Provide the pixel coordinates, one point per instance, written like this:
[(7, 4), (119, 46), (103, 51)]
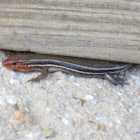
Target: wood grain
[(99, 29)]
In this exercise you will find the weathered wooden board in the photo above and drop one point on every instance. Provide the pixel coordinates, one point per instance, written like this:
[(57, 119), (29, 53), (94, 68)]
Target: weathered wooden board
[(100, 29)]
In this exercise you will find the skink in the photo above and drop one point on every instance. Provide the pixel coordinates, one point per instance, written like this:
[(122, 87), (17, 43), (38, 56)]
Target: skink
[(110, 71)]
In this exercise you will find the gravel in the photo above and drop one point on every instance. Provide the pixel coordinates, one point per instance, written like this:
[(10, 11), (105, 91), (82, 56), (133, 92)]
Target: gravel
[(65, 107)]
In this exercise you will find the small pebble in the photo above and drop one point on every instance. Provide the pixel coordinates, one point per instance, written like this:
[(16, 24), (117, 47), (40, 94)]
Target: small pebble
[(49, 132), (118, 121), (88, 97), (65, 121), (17, 118), (12, 100), (14, 81)]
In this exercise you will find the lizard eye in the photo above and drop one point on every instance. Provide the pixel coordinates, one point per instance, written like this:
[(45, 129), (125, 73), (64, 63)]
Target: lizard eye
[(14, 64)]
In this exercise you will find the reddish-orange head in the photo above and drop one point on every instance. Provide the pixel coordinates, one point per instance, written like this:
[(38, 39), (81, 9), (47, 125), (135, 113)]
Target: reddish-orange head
[(16, 62)]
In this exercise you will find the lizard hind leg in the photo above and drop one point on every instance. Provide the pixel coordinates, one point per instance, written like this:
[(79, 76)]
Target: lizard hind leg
[(114, 80)]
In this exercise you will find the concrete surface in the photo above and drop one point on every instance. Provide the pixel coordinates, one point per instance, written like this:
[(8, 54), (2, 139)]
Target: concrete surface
[(65, 107)]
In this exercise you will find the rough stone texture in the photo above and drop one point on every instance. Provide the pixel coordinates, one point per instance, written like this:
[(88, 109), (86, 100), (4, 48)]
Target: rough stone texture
[(64, 107)]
